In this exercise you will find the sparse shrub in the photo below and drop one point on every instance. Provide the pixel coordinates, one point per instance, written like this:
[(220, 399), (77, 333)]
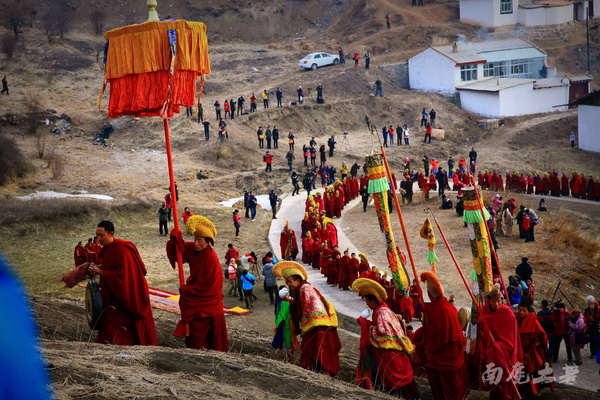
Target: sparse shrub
[(13, 164), (49, 26), (33, 108), (64, 21), (98, 18), (9, 43), (41, 146), (15, 14), (57, 164)]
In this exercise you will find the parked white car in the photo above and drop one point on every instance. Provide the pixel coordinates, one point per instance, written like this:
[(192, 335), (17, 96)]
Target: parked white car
[(315, 60)]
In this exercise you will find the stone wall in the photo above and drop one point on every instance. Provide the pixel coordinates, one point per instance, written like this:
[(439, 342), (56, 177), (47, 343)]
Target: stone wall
[(398, 73), (550, 32)]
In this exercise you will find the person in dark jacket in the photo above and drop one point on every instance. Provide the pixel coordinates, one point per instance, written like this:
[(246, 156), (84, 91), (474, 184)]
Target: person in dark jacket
[(524, 270)]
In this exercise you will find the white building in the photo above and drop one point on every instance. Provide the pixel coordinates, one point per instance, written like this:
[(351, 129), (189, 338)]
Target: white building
[(509, 13), (506, 97), (588, 122), (442, 68)]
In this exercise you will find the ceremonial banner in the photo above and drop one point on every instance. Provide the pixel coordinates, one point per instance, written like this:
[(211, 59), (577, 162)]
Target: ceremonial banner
[(379, 187), (480, 244), (427, 233)]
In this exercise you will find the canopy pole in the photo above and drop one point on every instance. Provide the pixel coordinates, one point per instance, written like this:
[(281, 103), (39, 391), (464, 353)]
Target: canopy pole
[(173, 197)]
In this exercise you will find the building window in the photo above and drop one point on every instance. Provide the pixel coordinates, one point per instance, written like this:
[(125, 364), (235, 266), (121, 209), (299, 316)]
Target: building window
[(494, 69), (468, 72), (506, 7)]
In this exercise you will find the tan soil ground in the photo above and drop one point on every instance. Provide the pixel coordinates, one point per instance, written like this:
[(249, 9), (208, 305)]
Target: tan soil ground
[(38, 237)]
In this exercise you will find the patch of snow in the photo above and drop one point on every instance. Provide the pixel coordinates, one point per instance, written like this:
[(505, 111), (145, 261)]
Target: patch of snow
[(56, 195)]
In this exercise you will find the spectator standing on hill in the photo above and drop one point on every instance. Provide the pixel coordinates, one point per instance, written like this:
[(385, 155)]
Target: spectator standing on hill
[(163, 217), (388, 21), (200, 113), (384, 133), (275, 137), (237, 224), (450, 167), (240, 105), (367, 59), (227, 109), (187, 213), (218, 110), (331, 144), (425, 160), (341, 54), (232, 108), (356, 57), (291, 141), (270, 279), (279, 94), (427, 133), (378, 88), (252, 103), (168, 204), (252, 204), (206, 129), (300, 95), (273, 201), (5, 85), (424, 117), (295, 184), (246, 204), (261, 138), (313, 156), (323, 155), (571, 136), (472, 156), (268, 161), (265, 97), (319, 93), (432, 115), (405, 133), (268, 134), (391, 133)]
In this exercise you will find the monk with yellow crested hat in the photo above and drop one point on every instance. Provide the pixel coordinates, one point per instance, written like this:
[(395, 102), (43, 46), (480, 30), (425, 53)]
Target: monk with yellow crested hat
[(384, 345), (444, 344), (201, 298), (313, 317)]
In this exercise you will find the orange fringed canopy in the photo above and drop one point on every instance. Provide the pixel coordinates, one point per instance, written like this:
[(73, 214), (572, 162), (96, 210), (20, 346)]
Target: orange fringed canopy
[(138, 67)]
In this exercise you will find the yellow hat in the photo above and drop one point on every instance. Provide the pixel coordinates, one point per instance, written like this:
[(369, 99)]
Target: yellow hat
[(286, 269), (200, 227), (363, 258), (364, 286), (318, 194)]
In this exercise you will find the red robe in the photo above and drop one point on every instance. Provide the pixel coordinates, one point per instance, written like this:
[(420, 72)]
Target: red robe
[(79, 255), (353, 270), (406, 309), (344, 272), (334, 269), (534, 343), (480, 180), (530, 185), (306, 250), (201, 298), (338, 205), (597, 191), (444, 349), (506, 351), (315, 251), (590, 189), (564, 185), (304, 225), (127, 314), (582, 187), (324, 262), (332, 238), (500, 183), (284, 242), (90, 253), (545, 185), (414, 295), (575, 182)]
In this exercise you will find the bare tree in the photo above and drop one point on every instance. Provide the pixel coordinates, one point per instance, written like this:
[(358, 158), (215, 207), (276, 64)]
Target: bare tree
[(15, 15), (63, 19), (99, 47), (33, 108), (9, 42), (49, 26), (98, 18)]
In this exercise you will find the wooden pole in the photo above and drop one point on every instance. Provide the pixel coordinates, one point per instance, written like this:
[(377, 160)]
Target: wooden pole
[(173, 196), (480, 315)]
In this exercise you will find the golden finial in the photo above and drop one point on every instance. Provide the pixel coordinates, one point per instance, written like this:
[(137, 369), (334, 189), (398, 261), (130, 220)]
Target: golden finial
[(152, 14)]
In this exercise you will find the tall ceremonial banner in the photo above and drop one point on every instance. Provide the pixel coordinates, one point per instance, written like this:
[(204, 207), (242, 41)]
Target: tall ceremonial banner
[(152, 68), (427, 233), (379, 187), (480, 244)]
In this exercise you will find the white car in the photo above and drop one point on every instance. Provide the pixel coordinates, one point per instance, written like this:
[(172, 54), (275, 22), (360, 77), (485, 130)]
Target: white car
[(315, 60)]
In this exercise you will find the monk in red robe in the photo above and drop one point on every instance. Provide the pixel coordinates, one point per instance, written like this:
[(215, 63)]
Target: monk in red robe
[(414, 295), (574, 184), (201, 298), (384, 341), (500, 183), (325, 258), (444, 344), (304, 224), (564, 184), (597, 190), (332, 237), (364, 264), (344, 273), (505, 353), (313, 317), (545, 184), (353, 265), (79, 254), (306, 248), (590, 188), (288, 244), (334, 268), (554, 185), (406, 308), (582, 187), (534, 343), (338, 204), (126, 312), (315, 251), (90, 252), (530, 183)]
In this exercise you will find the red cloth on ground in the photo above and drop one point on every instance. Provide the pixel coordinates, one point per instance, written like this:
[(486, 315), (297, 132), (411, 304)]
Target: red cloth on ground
[(127, 314), (201, 299)]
